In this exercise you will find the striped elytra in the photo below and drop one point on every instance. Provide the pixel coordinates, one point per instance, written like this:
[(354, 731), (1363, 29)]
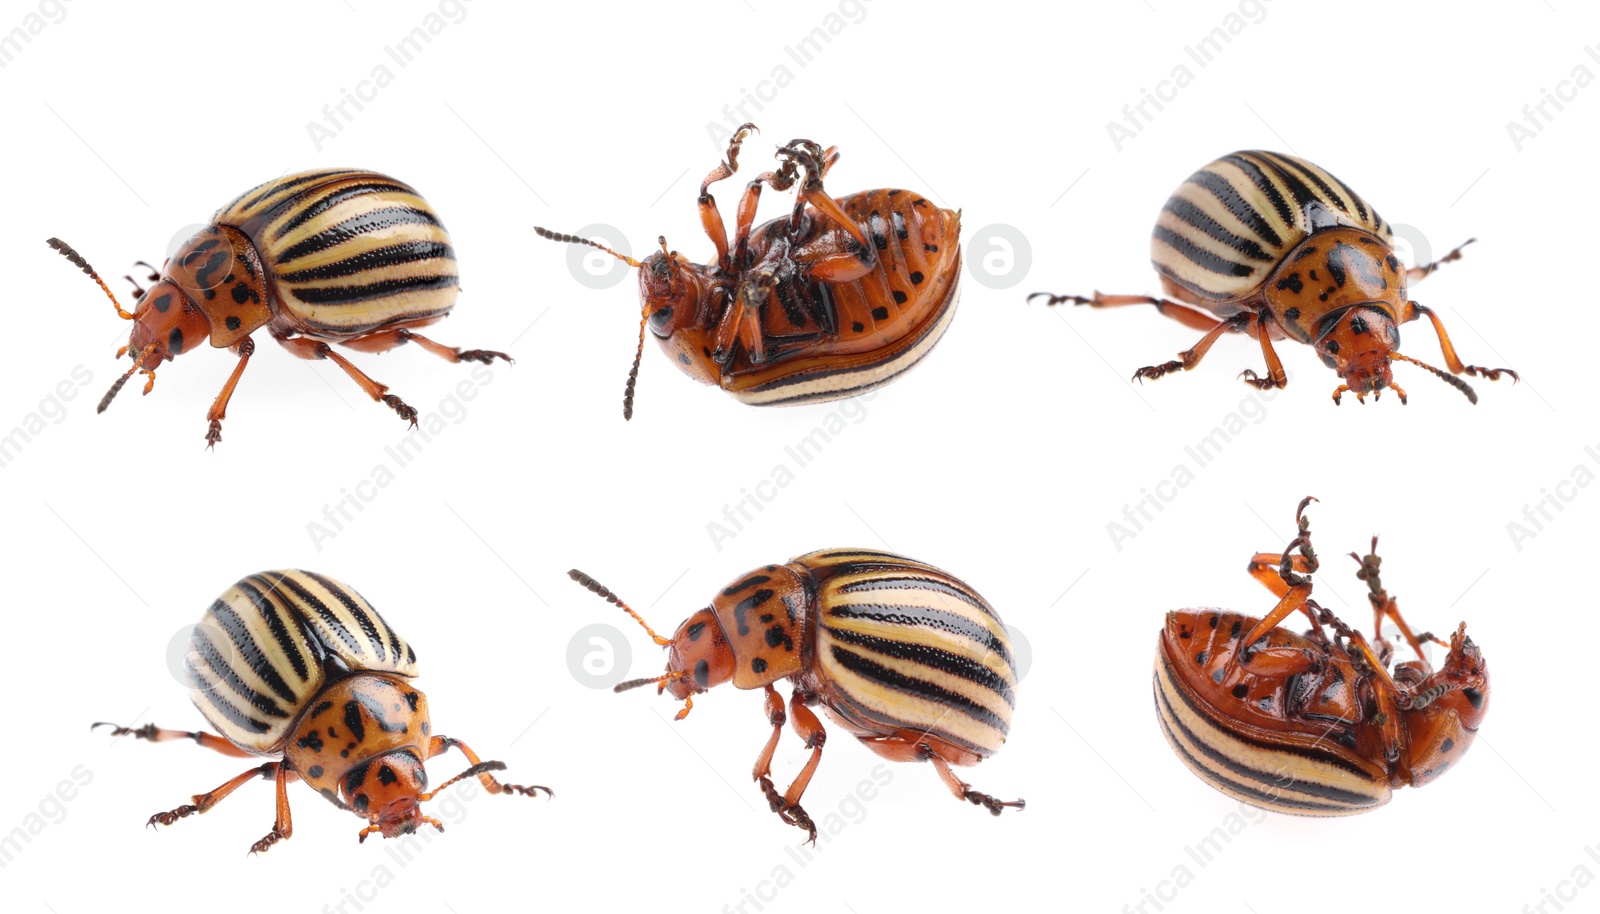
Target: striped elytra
[(264, 648), (1226, 229), (1314, 724), (904, 656), (298, 667), (842, 296), (333, 256), (1276, 248)]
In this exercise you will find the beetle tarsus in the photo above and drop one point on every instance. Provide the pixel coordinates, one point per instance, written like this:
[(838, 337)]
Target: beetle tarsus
[(399, 406), (1052, 299), (799, 818), (213, 434), (273, 837), (171, 816), (1259, 383), (1492, 374), (994, 806), (1153, 372), (486, 356)]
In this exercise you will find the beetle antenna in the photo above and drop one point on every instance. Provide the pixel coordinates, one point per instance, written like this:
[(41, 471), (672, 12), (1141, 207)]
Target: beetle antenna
[(1446, 377), (633, 373), (663, 679), (65, 250), (574, 239), (603, 592), (116, 386), (475, 770)]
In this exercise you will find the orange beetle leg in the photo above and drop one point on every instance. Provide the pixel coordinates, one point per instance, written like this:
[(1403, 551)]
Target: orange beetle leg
[(1419, 273), (312, 350), (1451, 360), (762, 773), (961, 789), (442, 744), (812, 733), (385, 340), (155, 734), (219, 407)]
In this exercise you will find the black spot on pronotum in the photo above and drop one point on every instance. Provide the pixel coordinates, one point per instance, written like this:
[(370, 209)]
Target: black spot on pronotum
[(1292, 283), (1358, 324), (696, 630), (411, 699), (386, 775), (1291, 314), (758, 665), (775, 636), (352, 719), (310, 741), (232, 322), (702, 674), (243, 293), (162, 302), (1475, 697), (315, 771), (175, 341)]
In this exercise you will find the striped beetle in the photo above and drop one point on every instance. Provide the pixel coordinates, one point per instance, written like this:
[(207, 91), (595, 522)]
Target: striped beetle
[(298, 665), (838, 298), (1275, 247), (906, 658), (1308, 724), (334, 255)]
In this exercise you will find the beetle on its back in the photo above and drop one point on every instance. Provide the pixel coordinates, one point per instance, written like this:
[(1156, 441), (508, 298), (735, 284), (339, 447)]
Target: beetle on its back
[(328, 256), (840, 297), (1277, 248)]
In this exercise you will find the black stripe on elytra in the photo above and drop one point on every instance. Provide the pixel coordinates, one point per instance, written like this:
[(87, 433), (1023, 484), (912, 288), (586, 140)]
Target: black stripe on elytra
[(1261, 797), (364, 615), (344, 295), (917, 688), (1302, 193), (1339, 797), (248, 650), (1195, 287), (273, 187), (354, 227), (1361, 205), (928, 617), (1198, 218), (328, 616), (937, 658), (309, 210), (1201, 257), (219, 666), (209, 687), (1324, 757), (868, 719), (899, 579), (1263, 183), (1327, 190), (1238, 206), (289, 642)]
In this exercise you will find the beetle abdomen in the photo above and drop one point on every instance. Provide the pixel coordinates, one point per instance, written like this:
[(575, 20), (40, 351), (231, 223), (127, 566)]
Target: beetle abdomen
[(904, 646), (1225, 229), (263, 650), (349, 251), (1255, 749), (884, 323)]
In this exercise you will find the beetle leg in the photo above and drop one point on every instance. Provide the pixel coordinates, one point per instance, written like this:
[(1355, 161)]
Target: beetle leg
[(385, 340), (1191, 357), (282, 826), (310, 349), (1419, 273), (203, 802), (742, 322), (1385, 605), (762, 773), (710, 216), (1276, 376), (961, 789), (1451, 360), (1183, 314), (442, 744), (811, 731), (1264, 568), (155, 734), (1292, 570), (219, 407)]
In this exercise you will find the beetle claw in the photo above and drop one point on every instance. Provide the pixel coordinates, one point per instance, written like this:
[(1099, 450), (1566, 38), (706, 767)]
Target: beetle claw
[(399, 406), (1052, 299)]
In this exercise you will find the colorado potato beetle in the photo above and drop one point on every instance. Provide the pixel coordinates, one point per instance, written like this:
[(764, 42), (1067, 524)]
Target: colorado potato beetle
[(1277, 248), (906, 658), (1313, 724), (839, 297), (296, 665), (327, 256)]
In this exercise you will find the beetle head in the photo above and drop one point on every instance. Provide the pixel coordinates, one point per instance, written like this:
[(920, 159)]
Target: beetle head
[(1447, 709), (1357, 343), (388, 790)]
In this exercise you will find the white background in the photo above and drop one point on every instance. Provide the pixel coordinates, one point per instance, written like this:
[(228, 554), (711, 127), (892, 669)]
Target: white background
[(1003, 458)]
